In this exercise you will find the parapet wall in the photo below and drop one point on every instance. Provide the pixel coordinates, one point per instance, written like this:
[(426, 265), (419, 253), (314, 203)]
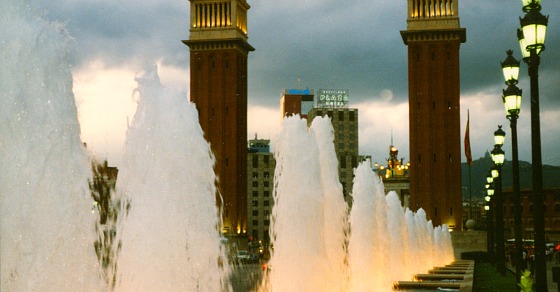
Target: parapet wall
[(470, 240)]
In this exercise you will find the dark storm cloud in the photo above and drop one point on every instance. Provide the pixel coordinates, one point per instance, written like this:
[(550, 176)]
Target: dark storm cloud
[(355, 45), (120, 32)]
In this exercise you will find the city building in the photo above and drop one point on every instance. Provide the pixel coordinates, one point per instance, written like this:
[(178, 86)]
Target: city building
[(395, 176), (260, 186), (296, 101), (218, 87), (551, 214), (433, 37)]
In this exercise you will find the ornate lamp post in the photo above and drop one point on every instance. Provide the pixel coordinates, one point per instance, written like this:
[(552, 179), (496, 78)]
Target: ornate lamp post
[(498, 156), (512, 101), (531, 39)]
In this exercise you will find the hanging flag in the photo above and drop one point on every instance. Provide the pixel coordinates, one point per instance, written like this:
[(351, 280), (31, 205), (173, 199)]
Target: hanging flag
[(468, 142)]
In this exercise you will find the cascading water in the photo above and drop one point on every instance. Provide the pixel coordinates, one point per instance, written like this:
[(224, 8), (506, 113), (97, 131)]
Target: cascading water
[(384, 239), (168, 229), (47, 229)]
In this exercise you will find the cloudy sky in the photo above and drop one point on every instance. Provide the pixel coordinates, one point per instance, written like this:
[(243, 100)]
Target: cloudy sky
[(318, 44)]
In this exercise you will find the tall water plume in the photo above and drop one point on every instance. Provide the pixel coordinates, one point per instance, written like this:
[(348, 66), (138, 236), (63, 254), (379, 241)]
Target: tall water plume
[(384, 241), (301, 260), (47, 229), (369, 237), (168, 228)]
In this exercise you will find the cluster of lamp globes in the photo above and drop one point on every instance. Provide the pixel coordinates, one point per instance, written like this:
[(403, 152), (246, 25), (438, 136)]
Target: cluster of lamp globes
[(498, 156), (531, 38)]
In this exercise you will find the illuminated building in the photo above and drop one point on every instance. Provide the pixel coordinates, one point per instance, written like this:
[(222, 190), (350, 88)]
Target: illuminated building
[(218, 79), (433, 37), (395, 176)]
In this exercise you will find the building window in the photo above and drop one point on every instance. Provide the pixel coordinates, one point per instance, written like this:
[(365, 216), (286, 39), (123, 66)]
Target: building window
[(255, 203), (266, 212), (265, 159), (255, 174), (255, 212), (255, 161), (255, 184), (266, 193), (266, 223), (255, 194), (351, 116), (255, 222), (266, 203), (341, 116), (266, 174), (266, 183)]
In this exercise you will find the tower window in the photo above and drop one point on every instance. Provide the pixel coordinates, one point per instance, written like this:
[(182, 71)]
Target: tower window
[(450, 211), (435, 158)]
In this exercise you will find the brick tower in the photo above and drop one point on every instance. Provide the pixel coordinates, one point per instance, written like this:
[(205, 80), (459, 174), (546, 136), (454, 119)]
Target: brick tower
[(218, 76), (433, 37)]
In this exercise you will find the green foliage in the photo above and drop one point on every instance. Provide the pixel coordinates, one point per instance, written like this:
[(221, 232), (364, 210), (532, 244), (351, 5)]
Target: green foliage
[(526, 284), (486, 278)]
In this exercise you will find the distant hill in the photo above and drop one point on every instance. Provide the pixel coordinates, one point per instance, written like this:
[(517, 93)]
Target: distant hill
[(481, 167)]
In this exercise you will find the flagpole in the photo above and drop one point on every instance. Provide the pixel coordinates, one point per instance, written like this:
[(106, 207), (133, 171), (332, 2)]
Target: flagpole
[(470, 193), (468, 155)]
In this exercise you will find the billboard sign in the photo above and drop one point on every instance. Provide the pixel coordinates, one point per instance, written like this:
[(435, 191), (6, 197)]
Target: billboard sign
[(333, 98)]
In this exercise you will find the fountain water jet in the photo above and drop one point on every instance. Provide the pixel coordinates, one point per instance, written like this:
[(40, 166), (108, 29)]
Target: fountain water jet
[(169, 223), (301, 260), (382, 237), (47, 229)]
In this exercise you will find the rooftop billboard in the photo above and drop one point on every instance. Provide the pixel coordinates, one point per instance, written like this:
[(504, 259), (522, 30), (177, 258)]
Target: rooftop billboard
[(333, 98)]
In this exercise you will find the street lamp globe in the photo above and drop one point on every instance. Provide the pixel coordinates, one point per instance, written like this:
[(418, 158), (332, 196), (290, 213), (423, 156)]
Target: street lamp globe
[(489, 178), (495, 171), (498, 156), (510, 68), (487, 198), (533, 26), (512, 100), (486, 207), (499, 137), (490, 191)]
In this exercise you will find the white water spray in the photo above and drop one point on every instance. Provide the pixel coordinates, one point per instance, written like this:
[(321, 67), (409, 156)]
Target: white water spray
[(47, 229), (169, 235), (384, 238)]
